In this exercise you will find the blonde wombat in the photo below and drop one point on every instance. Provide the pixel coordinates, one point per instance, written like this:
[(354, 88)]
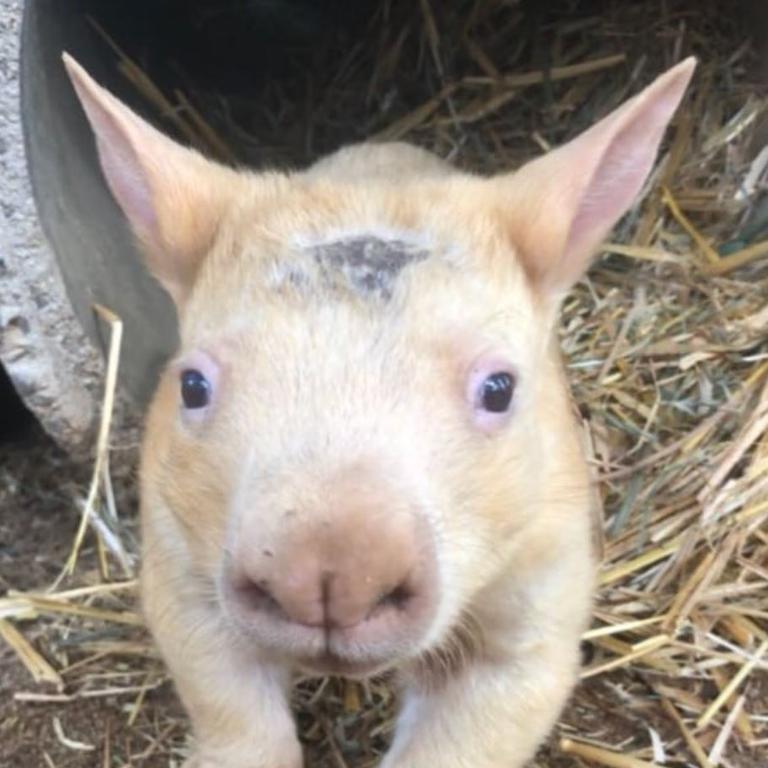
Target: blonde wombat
[(363, 456)]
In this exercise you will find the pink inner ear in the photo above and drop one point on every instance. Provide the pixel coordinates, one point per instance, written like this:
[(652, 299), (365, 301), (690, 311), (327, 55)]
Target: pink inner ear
[(622, 167), (125, 176), (614, 185), (172, 197), (568, 200)]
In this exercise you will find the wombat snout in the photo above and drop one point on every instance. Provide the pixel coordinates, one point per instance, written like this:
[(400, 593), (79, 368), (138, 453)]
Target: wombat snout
[(342, 590), (324, 599)]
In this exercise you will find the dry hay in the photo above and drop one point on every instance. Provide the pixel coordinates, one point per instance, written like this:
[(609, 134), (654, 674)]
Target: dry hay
[(666, 348)]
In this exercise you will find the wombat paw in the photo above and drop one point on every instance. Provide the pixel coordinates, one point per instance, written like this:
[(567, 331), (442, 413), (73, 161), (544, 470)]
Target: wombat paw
[(199, 761), (206, 761), (196, 761)]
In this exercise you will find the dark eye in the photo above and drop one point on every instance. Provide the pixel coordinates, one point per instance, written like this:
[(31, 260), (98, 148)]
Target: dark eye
[(496, 393), (195, 389)]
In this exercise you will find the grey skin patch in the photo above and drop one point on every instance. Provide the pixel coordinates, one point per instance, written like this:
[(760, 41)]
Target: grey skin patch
[(367, 265)]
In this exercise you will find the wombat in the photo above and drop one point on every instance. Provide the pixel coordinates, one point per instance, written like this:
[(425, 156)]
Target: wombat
[(364, 455)]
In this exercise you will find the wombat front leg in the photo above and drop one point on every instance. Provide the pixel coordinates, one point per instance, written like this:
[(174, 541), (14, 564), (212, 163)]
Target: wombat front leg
[(240, 716), (493, 715), (238, 705)]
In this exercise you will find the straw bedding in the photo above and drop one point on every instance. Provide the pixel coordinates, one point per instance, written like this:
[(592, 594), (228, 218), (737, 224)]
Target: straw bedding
[(665, 343)]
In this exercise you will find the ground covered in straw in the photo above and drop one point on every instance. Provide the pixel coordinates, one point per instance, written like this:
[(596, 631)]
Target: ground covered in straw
[(667, 347)]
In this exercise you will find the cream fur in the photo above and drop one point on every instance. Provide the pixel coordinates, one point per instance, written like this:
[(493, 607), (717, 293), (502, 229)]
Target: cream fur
[(312, 380)]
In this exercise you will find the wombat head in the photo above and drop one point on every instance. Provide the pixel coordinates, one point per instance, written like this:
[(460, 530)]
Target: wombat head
[(366, 428)]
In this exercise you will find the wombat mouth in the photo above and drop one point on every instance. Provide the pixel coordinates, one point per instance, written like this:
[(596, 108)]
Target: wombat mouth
[(330, 663)]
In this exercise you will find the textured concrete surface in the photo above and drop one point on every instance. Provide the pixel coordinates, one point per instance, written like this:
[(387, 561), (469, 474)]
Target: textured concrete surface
[(65, 245), (42, 346), (89, 235)]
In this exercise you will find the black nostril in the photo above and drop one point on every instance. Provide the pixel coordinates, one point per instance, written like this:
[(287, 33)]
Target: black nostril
[(256, 595), (398, 598)]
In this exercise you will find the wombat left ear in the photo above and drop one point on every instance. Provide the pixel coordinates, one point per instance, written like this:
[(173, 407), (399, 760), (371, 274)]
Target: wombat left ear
[(172, 196), (560, 207)]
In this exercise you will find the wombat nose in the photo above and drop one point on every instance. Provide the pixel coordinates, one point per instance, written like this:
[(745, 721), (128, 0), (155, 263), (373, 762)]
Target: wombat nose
[(325, 599), (355, 577)]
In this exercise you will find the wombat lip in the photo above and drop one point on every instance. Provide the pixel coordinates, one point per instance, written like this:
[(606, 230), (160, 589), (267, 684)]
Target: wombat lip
[(329, 663)]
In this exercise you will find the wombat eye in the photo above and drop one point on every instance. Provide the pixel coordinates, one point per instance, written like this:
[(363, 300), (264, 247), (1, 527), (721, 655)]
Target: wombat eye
[(490, 391), (198, 383), (496, 392), (195, 389)]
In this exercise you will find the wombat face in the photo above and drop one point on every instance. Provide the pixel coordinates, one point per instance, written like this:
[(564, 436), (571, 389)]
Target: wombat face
[(364, 395), (366, 426)]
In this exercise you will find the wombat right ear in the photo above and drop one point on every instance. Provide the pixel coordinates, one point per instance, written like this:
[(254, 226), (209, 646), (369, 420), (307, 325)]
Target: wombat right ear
[(172, 196), (560, 206)]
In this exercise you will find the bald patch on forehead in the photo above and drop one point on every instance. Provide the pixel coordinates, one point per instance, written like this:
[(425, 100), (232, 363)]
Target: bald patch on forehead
[(367, 265)]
